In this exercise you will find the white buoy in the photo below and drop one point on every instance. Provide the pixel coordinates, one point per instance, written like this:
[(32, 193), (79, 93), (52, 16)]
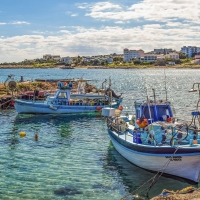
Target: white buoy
[(108, 112)]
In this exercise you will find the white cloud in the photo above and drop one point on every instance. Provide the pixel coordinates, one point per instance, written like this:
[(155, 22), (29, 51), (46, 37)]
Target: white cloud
[(19, 22), (82, 41), (74, 15), (152, 10), (122, 22), (102, 6), (2, 23), (62, 27)]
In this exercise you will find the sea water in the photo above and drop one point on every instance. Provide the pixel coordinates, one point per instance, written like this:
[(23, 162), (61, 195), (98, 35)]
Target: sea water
[(73, 157)]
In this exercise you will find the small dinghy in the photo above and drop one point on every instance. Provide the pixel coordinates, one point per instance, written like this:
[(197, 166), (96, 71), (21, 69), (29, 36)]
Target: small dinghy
[(153, 139)]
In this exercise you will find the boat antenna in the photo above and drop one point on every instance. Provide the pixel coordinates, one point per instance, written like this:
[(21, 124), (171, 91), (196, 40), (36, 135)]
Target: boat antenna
[(165, 84)]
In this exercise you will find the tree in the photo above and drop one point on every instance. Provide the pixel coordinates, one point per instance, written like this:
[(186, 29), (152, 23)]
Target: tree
[(182, 55)]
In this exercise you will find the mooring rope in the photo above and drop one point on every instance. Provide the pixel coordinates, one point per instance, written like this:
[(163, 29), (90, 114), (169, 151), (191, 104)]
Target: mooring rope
[(5, 103), (161, 171)]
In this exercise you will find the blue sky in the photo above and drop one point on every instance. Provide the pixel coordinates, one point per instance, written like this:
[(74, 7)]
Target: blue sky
[(30, 29)]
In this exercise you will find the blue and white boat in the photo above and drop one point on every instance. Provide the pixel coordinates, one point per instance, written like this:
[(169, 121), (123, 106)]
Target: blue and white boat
[(154, 141), (62, 102)]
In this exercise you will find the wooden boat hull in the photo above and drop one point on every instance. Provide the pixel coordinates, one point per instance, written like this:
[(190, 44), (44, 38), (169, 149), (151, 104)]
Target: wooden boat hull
[(42, 108), (186, 165)]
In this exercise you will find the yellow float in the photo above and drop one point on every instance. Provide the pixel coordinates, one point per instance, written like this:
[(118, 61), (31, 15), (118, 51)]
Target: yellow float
[(22, 134)]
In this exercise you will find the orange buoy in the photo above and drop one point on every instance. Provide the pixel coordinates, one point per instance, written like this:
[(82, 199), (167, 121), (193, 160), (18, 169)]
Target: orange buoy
[(98, 108), (137, 121), (120, 108), (142, 123), (169, 119), (12, 103), (36, 137)]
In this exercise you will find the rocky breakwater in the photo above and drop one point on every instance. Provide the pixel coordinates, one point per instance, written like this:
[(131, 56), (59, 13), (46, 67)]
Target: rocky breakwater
[(188, 193)]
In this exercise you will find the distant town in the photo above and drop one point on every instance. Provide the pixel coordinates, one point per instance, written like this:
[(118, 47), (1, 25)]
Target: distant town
[(157, 57)]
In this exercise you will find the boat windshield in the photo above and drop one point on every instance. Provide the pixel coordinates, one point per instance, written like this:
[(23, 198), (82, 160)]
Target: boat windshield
[(62, 95)]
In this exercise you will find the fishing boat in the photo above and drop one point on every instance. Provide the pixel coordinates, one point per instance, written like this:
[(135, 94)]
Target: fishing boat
[(61, 102), (154, 140)]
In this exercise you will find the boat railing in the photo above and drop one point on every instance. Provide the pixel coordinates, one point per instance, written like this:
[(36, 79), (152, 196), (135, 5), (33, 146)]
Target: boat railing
[(172, 139)]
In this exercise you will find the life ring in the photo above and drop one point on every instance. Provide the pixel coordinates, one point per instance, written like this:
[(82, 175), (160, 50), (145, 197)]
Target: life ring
[(142, 123)]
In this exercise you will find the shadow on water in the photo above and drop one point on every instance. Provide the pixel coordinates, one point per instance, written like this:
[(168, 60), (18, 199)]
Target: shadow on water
[(133, 177), (52, 130), (54, 119)]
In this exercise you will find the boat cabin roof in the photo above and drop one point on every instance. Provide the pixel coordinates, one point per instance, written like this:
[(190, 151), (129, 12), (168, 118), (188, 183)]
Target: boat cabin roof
[(157, 111)]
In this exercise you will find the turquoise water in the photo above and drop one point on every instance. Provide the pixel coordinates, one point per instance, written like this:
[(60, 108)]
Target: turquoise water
[(73, 157)]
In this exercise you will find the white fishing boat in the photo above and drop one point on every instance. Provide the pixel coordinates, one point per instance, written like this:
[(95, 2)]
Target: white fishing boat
[(153, 140), (61, 102)]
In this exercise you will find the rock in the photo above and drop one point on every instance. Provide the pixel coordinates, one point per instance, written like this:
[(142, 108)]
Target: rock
[(67, 191)]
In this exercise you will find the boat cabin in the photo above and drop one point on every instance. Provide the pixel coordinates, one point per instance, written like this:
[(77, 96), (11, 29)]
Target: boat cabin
[(62, 96), (156, 111)]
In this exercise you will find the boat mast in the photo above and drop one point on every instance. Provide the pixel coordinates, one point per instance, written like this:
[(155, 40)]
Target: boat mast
[(165, 84), (148, 105), (110, 93)]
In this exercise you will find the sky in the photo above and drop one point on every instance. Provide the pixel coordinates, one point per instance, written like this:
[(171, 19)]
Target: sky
[(31, 28)]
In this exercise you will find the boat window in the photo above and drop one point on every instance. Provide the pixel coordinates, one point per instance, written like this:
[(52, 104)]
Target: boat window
[(162, 111), (62, 95), (146, 112)]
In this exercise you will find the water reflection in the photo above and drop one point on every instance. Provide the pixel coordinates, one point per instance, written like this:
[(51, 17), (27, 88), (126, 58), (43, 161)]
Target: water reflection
[(132, 177)]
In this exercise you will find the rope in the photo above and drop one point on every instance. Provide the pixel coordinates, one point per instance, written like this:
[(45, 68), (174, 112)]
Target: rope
[(153, 178), (6, 102)]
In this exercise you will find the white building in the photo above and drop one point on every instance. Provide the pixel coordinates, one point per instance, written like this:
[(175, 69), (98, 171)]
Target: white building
[(66, 60), (190, 50), (162, 51), (50, 57), (148, 58), (171, 63), (174, 56), (130, 54)]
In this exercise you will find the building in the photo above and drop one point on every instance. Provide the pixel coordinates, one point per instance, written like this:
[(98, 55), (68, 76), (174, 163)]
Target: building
[(190, 50), (51, 57), (174, 56), (171, 63), (160, 57), (197, 57), (109, 60), (66, 60), (132, 54), (162, 51), (148, 58), (47, 56)]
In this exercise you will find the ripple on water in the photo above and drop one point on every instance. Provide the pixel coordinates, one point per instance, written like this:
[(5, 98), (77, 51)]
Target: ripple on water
[(73, 157)]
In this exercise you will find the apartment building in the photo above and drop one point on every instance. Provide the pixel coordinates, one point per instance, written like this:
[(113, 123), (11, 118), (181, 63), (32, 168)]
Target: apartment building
[(190, 50), (148, 58), (130, 54), (162, 51), (50, 57), (66, 60), (174, 56)]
